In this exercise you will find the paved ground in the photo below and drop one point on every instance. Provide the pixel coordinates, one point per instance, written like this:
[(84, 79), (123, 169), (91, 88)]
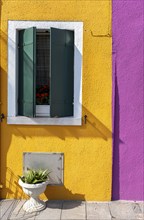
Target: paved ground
[(74, 210)]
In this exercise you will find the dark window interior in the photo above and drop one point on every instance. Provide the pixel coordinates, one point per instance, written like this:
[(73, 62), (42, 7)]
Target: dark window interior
[(42, 68)]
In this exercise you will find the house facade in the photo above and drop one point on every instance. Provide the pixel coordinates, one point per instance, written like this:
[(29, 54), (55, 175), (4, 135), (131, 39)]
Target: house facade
[(92, 142)]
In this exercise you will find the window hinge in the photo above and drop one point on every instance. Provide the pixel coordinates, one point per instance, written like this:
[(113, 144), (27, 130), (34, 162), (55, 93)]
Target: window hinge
[(85, 119), (2, 116)]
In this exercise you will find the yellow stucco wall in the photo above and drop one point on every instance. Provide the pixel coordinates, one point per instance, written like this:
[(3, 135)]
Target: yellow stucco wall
[(88, 148)]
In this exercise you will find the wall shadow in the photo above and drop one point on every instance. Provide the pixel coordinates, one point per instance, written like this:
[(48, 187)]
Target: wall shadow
[(60, 192), (116, 138), (116, 165), (13, 189), (93, 128), (0, 89), (3, 166), (65, 204)]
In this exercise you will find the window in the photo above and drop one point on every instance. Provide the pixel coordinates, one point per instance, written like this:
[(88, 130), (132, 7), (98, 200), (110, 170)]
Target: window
[(42, 73), (47, 70)]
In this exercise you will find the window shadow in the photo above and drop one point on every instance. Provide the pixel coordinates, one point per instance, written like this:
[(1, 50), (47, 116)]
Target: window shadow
[(94, 128)]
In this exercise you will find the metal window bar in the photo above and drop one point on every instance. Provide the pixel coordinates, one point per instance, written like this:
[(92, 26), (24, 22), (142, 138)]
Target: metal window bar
[(43, 58)]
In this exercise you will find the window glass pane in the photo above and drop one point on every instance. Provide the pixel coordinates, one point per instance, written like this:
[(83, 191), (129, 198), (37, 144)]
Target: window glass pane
[(43, 65)]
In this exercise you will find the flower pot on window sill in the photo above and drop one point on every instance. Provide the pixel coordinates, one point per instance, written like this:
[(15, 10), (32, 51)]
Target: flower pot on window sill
[(34, 204)]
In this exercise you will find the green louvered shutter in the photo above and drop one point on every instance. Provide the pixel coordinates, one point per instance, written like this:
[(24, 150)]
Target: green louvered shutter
[(27, 72), (62, 73)]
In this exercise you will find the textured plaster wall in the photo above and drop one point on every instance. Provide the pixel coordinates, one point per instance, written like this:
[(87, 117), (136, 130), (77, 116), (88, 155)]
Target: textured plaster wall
[(88, 148), (128, 100)]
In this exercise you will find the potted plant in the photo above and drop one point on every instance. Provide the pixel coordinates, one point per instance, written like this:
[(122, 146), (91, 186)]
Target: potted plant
[(34, 183)]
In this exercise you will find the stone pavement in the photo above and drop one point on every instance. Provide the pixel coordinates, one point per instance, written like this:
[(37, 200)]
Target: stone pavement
[(75, 210)]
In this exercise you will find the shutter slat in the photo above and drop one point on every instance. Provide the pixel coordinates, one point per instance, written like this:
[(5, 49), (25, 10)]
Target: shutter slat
[(62, 73), (27, 72)]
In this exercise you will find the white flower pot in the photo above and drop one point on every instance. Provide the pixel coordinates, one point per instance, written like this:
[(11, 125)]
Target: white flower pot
[(34, 204)]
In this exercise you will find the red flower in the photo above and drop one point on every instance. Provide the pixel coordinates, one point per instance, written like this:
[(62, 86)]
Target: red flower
[(37, 95)]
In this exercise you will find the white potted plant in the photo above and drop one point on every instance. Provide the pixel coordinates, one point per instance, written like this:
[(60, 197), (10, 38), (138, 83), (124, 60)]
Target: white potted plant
[(34, 183)]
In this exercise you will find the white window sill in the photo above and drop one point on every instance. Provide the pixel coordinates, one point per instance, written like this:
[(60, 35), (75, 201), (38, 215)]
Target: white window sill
[(22, 120)]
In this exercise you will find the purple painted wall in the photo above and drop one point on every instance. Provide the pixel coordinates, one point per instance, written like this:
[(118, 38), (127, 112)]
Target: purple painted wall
[(128, 99)]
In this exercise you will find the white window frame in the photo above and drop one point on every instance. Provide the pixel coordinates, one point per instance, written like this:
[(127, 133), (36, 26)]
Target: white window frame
[(13, 27)]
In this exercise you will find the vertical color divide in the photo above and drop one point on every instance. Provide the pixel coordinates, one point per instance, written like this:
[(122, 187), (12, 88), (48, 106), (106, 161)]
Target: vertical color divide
[(128, 100)]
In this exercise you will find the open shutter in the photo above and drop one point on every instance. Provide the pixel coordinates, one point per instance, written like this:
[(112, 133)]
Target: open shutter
[(27, 72), (62, 73)]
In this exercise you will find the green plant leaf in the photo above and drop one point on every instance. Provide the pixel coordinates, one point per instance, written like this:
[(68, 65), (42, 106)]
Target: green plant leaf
[(35, 176)]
